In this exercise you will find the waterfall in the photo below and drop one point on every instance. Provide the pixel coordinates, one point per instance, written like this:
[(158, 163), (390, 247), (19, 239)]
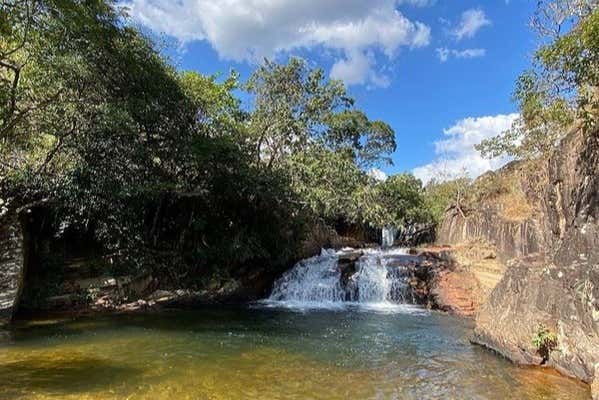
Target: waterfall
[(320, 282), (379, 282), (315, 279), (388, 236)]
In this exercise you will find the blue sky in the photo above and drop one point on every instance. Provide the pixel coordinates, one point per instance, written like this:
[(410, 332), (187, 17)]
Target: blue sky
[(440, 72)]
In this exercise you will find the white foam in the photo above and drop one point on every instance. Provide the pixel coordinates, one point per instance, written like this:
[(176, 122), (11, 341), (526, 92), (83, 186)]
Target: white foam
[(315, 284)]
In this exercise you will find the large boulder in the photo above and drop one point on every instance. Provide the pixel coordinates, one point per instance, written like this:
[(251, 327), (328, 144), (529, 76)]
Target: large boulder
[(535, 294)]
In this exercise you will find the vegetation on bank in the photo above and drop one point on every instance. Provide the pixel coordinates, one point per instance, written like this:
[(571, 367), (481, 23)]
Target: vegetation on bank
[(165, 168), (561, 89)]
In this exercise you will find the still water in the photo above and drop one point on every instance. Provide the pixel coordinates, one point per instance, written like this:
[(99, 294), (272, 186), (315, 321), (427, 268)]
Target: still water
[(264, 353)]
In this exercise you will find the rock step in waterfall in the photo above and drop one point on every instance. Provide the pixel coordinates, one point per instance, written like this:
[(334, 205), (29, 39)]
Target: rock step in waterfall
[(328, 279)]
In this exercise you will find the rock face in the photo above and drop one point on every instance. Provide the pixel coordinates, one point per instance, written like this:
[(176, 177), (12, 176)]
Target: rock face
[(438, 282), (553, 278), (456, 292), (535, 293), (11, 266), (511, 238)]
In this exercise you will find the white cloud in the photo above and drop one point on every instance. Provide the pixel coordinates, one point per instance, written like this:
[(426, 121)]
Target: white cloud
[(456, 154), (377, 174), (358, 69), (249, 30), (444, 53), (470, 23)]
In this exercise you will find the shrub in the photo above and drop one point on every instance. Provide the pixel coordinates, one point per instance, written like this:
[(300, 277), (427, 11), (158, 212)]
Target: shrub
[(545, 341)]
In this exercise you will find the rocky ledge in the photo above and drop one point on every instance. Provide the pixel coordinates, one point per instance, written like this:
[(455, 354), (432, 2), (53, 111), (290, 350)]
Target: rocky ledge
[(535, 294)]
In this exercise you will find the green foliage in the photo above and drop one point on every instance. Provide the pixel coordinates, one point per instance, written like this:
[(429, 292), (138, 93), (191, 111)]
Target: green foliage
[(327, 183), (218, 111), (164, 168), (544, 341), (352, 132), (403, 201), (562, 85), (440, 195), (296, 107)]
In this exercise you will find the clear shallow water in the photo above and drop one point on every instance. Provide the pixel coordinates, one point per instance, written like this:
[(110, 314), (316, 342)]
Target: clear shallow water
[(265, 353)]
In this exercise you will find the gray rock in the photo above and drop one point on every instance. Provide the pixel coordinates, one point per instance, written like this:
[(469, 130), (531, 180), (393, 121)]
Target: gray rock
[(11, 264)]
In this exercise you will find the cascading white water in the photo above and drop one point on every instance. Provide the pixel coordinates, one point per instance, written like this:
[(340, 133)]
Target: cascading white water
[(315, 279), (318, 281), (388, 234)]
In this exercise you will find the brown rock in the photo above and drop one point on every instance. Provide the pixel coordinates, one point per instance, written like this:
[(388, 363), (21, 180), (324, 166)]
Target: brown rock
[(456, 292)]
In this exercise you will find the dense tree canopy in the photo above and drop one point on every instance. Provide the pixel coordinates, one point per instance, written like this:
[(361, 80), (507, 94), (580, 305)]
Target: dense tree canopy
[(165, 167)]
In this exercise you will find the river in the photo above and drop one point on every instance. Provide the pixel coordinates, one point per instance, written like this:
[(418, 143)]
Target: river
[(312, 339), (265, 353)]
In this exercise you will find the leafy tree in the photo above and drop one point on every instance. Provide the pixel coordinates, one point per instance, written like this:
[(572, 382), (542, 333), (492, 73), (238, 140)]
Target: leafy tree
[(403, 198), (166, 168), (440, 195), (368, 142), (561, 87), (218, 111), (326, 182), (296, 107)]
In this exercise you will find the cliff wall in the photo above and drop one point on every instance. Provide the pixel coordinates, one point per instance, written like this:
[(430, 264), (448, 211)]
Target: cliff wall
[(552, 259)]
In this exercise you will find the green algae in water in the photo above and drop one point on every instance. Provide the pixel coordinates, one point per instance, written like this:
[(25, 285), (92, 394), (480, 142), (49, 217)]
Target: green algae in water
[(246, 353)]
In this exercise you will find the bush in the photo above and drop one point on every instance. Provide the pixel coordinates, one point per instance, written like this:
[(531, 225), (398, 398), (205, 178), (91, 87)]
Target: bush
[(545, 341)]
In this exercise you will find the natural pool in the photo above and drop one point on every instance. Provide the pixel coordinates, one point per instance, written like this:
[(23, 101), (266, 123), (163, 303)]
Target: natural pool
[(265, 353)]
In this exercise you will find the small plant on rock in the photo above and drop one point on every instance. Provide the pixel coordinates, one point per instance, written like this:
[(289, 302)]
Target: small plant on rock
[(545, 341)]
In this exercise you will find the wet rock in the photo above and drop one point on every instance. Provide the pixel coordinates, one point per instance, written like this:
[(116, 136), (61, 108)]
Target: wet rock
[(347, 264)]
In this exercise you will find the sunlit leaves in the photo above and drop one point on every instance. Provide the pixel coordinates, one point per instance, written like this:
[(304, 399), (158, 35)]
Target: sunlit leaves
[(562, 85)]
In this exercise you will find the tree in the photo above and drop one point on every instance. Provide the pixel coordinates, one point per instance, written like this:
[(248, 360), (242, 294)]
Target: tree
[(403, 198), (440, 195), (368, 142), (296, 107), (562, 85)]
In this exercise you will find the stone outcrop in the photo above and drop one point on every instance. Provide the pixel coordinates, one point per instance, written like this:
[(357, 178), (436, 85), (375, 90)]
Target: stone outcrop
[(511, 220), (11, 265), (510, 238), (552, 254), (443, 284), (534, 293)]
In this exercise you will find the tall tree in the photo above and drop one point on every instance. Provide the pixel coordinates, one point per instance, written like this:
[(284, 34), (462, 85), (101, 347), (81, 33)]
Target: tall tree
[(562, 85), (296, 107)]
